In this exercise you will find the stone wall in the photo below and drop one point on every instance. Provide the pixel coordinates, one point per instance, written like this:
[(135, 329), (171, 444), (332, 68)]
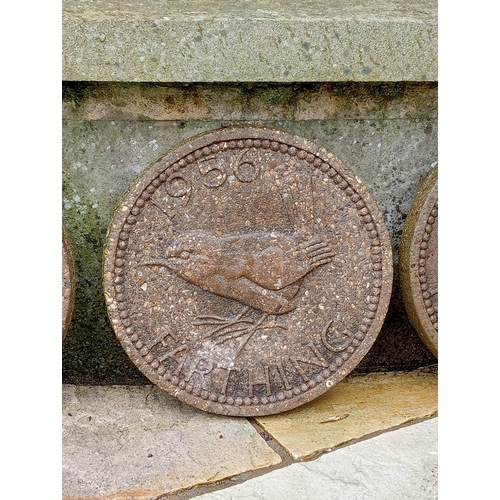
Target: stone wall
[(386, 132)]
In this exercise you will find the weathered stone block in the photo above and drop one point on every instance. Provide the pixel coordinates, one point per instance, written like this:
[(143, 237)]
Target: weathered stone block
[(386, 133), (261, 41)]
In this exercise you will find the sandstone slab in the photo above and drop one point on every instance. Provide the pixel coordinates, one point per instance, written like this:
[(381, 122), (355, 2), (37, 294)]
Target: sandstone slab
[(402, 464), (138, 443), (353, 409)]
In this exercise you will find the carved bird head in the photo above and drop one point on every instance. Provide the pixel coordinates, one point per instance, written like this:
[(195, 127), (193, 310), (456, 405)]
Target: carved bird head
[(188, 255)]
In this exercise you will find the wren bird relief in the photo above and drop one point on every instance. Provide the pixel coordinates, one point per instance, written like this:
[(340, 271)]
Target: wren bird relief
[(264, 270)]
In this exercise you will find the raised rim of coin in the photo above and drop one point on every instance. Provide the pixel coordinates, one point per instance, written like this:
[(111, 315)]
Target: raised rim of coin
[(413, 260), (335, 174), (68, 283)]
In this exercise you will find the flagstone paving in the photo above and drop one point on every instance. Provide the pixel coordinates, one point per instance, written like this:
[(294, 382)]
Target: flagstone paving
[(138, 443), (397, 465), (357, 407)]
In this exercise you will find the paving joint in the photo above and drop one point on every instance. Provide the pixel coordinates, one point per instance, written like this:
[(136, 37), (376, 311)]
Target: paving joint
[(287, 460), (200, 489), (273, 443)]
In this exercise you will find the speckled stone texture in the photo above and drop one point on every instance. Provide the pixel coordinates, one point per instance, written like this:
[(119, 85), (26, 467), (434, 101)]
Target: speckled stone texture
[(363, 405), (402, 464), (386, 133), (242, 41), (247, 271), (419, 262), (138, 443)]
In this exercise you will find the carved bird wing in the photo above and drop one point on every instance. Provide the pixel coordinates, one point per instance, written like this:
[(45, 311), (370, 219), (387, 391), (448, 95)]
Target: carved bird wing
[(254, 295)]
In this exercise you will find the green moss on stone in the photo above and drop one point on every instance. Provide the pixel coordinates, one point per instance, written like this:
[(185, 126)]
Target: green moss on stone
[(90, 352), (387, 133)]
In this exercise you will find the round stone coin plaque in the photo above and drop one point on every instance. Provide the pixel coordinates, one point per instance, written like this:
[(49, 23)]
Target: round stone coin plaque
[(68, 283), (418, 257), (247, 271)]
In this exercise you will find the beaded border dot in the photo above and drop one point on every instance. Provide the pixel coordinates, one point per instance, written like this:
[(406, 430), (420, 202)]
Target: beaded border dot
[(422, 269), (144, 356)]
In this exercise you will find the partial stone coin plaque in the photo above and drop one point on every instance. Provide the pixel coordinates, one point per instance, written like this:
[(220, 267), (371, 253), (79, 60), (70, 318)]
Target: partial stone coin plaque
[(418, 257), (68, 283), (247, 271)]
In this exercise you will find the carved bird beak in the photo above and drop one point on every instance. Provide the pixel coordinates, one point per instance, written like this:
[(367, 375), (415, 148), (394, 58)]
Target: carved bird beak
[(174, 258)]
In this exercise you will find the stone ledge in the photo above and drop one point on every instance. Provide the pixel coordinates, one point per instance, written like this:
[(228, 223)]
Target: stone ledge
[(258, 41)]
